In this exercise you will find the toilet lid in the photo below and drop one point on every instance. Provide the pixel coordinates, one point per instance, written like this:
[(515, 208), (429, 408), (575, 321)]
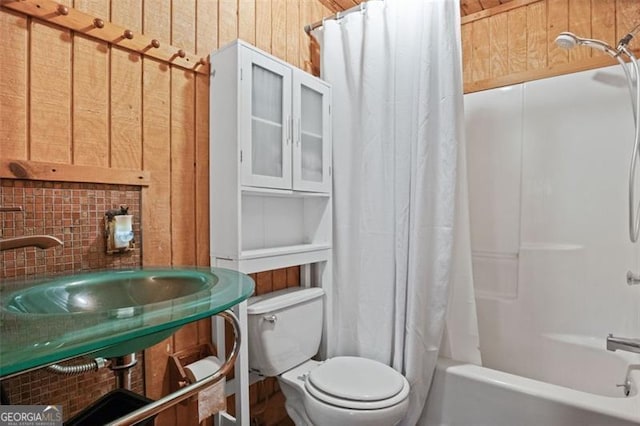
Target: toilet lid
[(355, 382)]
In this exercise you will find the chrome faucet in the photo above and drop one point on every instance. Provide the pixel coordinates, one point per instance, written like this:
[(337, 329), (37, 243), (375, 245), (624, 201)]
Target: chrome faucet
[(40, 241), (622, 343)]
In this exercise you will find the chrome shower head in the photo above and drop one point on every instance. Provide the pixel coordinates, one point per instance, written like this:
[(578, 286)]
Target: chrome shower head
[(567, 40)]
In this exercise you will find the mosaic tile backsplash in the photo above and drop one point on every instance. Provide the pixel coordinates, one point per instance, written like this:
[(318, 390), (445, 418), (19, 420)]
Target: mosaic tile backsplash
[(74, 213)]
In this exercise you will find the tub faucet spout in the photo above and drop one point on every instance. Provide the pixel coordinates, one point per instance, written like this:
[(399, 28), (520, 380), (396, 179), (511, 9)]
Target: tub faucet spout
[(623, 344)]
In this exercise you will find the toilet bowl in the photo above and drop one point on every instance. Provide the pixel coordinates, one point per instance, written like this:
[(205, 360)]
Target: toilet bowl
[(336, 393), (284, 333)]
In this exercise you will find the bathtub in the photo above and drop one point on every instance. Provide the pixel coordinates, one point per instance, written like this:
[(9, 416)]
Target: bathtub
[(584, 392)]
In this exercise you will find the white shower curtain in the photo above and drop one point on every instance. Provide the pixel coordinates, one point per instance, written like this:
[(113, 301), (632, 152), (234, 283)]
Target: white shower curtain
[(397, 126)]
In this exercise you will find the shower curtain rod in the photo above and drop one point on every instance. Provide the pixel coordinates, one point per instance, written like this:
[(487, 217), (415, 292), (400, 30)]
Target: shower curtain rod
[(338, 15)]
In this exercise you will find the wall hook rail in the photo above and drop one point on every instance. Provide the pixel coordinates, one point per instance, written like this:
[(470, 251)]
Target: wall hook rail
[(80, 22)]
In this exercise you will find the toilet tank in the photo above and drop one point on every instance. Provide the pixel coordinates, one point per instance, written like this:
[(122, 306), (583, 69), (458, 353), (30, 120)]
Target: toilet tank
[(285, 328)]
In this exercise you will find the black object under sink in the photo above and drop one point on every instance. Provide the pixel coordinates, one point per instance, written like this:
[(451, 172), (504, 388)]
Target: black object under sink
[(110, 407)]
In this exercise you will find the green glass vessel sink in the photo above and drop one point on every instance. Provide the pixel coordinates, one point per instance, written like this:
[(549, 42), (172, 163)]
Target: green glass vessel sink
[(108, 314), (119, 293)]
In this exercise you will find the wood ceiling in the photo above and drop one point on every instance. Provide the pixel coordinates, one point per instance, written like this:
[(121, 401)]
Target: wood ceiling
[(467, 7)]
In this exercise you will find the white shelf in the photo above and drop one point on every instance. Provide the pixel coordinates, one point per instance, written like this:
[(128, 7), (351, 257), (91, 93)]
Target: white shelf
[(248, 210), (281, 251), (273, 192), (275, 259)]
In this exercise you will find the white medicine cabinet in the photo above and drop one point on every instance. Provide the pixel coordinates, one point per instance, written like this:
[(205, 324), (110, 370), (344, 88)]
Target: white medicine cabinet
[(270, 162), (284, 125)]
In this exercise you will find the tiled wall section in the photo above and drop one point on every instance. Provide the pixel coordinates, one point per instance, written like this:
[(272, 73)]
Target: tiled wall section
[(73, 212)]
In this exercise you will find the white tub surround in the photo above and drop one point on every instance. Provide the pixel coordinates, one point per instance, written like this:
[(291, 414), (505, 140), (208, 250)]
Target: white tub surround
[(548, 172)]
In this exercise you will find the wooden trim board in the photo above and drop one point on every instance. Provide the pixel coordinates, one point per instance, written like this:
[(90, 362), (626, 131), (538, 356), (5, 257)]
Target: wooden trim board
[(514, 4), (538, 74), (35, 170)]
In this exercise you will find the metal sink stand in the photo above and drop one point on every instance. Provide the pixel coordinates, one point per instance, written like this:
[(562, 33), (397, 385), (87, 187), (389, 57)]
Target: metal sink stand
[(186, 392)]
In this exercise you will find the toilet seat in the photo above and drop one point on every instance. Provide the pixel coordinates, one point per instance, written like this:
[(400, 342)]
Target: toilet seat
[(357, 383)]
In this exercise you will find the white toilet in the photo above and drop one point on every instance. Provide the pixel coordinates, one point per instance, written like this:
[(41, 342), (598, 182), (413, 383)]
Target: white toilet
[(285, 328)]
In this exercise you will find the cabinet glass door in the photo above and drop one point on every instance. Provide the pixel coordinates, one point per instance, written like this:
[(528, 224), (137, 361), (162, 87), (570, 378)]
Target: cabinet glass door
[(266, 125), (312, 153)]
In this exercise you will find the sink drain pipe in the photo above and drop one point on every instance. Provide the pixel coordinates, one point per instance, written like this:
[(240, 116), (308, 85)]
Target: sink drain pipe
[(121, 366), (72, 370)]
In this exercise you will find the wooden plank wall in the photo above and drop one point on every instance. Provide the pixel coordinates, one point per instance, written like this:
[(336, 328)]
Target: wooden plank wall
[(515, 42), (70, 99)]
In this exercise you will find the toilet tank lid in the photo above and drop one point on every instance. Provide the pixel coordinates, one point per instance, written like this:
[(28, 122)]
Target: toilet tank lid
[(281, 299)]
